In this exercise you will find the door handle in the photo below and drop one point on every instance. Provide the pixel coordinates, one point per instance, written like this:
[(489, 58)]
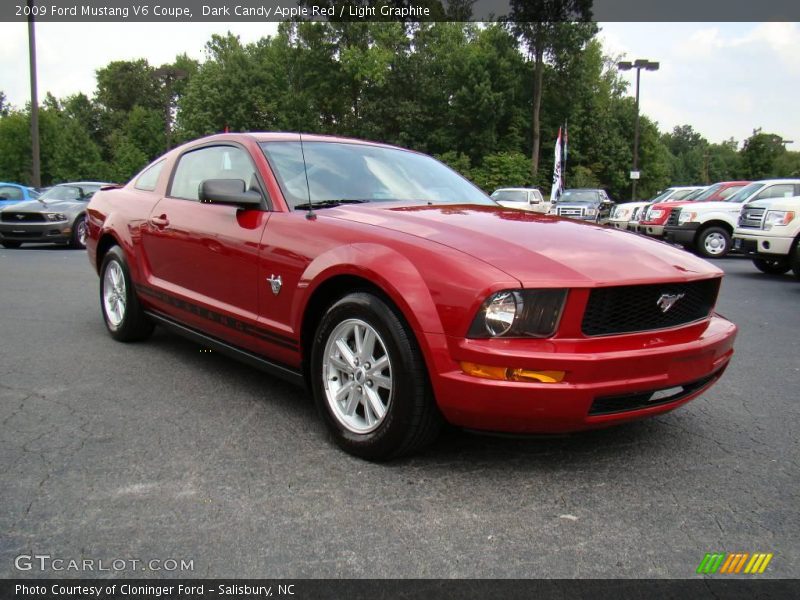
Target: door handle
[(160, 221)]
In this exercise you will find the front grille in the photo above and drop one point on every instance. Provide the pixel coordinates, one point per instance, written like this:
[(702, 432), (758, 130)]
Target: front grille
[(616, 404), (635, 214), (672, 219), (570, 212), (752, 218), (632, 308), (22, 217)]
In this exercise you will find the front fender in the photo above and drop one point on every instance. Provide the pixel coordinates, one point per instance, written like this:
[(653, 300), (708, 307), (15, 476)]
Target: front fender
[(385, 267)]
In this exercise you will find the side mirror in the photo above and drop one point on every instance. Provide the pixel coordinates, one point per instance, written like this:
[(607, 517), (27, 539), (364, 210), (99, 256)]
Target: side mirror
[(228, 191)]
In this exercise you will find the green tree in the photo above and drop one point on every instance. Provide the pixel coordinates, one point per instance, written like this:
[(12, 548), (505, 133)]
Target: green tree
[(551, 30), (760, 155)]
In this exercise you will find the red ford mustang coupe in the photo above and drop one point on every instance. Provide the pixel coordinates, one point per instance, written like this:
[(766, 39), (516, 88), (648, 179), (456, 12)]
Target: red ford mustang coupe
[(400, 294)]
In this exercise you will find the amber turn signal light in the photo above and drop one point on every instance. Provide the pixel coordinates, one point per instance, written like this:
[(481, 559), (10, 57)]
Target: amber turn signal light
[(509, 374)]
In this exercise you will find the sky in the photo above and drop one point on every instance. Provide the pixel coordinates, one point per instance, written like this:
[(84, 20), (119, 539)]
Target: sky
[(724, 79)]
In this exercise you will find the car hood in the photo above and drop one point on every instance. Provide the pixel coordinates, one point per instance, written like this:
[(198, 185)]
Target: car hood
[(44, 205), (538, 250), (714, 206), (576, 204)]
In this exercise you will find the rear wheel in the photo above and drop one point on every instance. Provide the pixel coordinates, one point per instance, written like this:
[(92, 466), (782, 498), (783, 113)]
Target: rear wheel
[(713, 242), (772, 266), (122, 313), (11, 245), (369, 380)]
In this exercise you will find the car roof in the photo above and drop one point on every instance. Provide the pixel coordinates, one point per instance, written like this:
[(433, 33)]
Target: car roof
[(19, 185), (516, 189), (78, 183), (782, 180)]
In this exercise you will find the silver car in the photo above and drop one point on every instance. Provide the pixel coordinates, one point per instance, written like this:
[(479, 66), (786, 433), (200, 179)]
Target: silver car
[(57, 216)]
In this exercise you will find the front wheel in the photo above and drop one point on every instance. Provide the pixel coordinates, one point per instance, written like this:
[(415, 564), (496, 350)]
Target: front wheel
[(772, 266), (794, 258), (714, 242), (122, 313), (369, 380), (79, 232)]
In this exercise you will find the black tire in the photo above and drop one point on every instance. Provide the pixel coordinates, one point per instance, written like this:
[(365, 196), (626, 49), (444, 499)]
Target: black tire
[(78, 239), (794, 258), (134, 324), (773, 266), (11, 245), (411, 419), (704, 242)]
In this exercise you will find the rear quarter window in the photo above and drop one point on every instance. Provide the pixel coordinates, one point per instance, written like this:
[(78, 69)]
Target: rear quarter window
[(148, 179)]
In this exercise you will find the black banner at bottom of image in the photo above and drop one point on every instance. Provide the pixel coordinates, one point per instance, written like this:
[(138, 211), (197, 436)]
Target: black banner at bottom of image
[(378, 589)]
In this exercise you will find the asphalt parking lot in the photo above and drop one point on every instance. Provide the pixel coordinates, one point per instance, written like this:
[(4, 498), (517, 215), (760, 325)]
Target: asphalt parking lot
[(161, 451)]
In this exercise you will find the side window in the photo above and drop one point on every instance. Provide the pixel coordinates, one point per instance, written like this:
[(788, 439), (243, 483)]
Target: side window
[(728, 192), (781, 190), (148, 179), (9, 192), (215, 162)]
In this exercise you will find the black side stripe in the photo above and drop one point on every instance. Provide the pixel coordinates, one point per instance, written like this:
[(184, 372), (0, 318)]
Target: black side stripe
[(230, 322)]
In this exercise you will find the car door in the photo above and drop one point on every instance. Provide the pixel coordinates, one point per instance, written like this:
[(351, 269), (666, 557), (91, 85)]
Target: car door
[(203, 257)]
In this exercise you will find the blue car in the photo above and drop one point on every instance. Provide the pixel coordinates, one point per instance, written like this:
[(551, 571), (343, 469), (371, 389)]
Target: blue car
[(13, 193)]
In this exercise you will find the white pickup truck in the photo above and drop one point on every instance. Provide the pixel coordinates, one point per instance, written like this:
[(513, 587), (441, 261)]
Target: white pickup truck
[(707, 227), (523, 198), (769, 232)]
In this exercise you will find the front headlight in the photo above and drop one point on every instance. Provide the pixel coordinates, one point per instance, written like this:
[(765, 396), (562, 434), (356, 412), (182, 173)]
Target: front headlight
[(778, 217), (655, 214), (55, 216), (519, 313), (685, 217), (591, 212)]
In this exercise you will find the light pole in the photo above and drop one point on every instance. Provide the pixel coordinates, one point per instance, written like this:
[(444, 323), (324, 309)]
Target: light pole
[(36, 176), (638, 64)]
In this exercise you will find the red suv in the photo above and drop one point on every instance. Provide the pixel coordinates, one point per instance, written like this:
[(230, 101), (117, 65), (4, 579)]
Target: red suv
[(656, 216)]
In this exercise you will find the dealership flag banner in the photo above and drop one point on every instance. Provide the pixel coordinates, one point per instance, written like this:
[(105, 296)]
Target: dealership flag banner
[(555, 191)]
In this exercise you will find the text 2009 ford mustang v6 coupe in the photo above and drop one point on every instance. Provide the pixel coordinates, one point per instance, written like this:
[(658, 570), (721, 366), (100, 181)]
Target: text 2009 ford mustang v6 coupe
[(400, 293)]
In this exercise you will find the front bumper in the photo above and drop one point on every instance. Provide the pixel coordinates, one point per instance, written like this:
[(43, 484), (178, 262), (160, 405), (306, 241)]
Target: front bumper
[(652, 230), (614, 371), (757, 242), (681, 234), (49, 232), (623, 225)]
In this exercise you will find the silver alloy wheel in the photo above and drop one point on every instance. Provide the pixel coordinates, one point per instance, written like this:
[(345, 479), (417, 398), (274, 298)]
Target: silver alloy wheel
[(114, 297), (715, 243), (357, 375), (81, 227)]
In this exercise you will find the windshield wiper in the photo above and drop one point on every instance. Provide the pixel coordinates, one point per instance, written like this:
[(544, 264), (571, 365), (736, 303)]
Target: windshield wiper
[(332, 203)]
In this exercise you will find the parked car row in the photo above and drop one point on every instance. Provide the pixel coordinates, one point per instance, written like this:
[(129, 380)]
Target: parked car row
[(56, 216), (758, 218)]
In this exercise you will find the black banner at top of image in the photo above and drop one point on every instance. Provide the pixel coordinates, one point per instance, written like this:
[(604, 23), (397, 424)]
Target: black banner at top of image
[(399, 10)]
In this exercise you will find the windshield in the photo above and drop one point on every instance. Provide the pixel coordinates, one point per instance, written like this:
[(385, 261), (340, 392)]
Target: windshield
[(695, 194), (708, 192), (65, 192), (681, 195), (744, 193), (510, 196), (340, 171), (662, 195), (579, 196)]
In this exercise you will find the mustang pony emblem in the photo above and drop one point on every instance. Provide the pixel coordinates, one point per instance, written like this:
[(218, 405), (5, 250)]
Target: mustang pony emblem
[(275, 283), (20, 217), (667, 301)]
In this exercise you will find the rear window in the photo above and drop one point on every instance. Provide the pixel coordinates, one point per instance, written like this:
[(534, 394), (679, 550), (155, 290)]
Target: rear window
[(510, 196)]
